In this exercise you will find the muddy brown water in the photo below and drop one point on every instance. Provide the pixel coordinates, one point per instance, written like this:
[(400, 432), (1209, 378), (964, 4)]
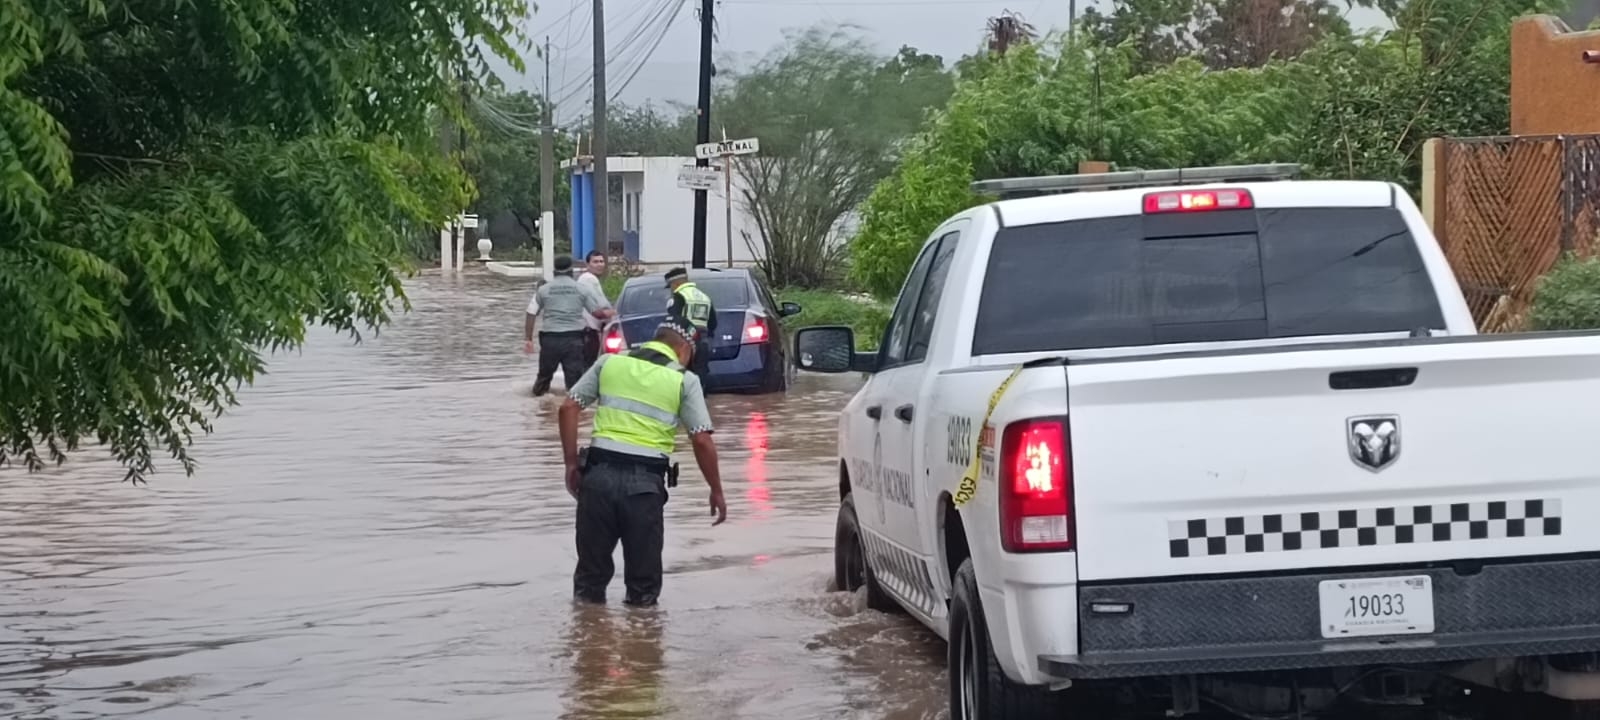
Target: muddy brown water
[(380, 530)]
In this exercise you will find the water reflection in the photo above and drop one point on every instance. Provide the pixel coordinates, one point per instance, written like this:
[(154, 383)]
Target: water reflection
[(617, 664), (755, 471)]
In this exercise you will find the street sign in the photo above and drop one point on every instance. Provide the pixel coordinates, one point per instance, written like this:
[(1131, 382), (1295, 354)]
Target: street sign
[(469, 221), (693, 177), (745, 146)]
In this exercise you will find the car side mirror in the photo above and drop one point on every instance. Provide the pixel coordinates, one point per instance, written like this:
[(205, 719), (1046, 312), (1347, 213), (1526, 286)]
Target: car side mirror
[(788, 308), (831, 349)]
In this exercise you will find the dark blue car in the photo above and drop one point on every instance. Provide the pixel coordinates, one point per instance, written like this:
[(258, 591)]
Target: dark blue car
[(748, 350)]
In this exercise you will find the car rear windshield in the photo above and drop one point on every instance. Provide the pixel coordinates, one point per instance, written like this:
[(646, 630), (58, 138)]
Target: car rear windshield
[(1202, 277), (727, 293)]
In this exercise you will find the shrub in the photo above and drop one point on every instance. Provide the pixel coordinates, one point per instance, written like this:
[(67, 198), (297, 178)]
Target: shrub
[(1568, 297), (821, 307)]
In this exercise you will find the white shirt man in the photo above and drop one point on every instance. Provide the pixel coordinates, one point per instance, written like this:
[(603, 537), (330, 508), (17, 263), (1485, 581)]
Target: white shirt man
[(595, 268)]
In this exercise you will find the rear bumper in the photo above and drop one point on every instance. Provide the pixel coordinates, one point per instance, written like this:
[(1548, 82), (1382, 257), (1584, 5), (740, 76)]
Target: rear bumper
[(744, 371), (1212, 625)]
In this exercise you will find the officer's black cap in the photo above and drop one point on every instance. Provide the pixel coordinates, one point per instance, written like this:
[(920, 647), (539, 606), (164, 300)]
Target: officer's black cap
[(676, 273), (563, 263)]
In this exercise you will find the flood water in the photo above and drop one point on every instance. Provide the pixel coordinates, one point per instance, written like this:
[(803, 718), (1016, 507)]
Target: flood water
[(381, 530)]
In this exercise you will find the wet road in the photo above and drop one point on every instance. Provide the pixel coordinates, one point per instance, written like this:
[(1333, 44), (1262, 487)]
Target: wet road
[(381, 531)]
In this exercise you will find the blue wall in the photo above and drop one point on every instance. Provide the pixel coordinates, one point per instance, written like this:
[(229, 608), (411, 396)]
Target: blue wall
[(582, 214)]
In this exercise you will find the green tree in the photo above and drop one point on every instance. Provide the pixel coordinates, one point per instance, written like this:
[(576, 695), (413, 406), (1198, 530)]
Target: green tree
[(1347, 107), (503, 160), (185, 185), (1222, 33), (831, 115), (650, 130)]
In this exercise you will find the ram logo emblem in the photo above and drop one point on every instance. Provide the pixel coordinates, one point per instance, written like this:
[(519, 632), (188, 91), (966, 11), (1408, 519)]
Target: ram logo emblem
[(1374, 441)]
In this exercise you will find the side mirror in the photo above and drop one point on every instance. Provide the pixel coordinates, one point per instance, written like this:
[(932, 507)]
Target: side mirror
[(788, 308), (830, 349)]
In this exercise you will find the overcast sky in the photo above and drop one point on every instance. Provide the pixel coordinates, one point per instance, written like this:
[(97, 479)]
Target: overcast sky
[(747, 29)]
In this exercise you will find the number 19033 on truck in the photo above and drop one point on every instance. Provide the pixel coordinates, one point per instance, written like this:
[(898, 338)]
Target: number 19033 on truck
[(1220, 437)]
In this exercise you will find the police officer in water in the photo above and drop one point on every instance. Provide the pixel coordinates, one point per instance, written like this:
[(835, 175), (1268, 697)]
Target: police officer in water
[(692, 303), (559, 306), (621, 479)]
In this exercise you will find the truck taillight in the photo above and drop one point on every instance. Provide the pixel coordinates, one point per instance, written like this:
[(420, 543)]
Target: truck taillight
[(1198, 200), (614, 342), (1036, 486)]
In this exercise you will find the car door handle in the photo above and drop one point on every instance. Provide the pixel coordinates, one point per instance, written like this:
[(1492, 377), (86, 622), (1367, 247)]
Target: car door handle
[(904, 413), (875, 412)]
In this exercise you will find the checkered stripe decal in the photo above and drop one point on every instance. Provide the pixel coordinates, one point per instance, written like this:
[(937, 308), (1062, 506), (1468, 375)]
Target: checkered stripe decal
[(1404, 525)]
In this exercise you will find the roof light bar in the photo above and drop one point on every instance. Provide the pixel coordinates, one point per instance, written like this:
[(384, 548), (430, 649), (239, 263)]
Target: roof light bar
[(1022, 187)]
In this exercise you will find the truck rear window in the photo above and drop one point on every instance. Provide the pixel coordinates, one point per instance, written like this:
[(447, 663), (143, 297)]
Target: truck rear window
[(1203, 277)]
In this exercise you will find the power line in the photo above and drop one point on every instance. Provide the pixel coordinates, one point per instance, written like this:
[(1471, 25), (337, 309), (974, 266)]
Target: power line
[(570, 90), (671, 16), (662, 17)]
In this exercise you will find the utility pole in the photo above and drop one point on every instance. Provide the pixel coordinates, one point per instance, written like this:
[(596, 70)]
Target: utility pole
[(547, 175), (1072, 19), (459, 252), (601, 185), (702, 131)]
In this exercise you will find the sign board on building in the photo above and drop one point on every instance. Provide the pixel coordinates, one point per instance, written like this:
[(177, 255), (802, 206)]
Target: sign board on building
[(693, 177), (745, 146)]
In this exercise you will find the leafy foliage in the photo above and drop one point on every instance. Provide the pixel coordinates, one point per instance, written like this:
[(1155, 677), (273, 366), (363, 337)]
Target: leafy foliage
[(503, 160), (823, 307), (1221, 33), (650, 130), (830, 114), (1568, 297), (184, 185), (1353, 107)]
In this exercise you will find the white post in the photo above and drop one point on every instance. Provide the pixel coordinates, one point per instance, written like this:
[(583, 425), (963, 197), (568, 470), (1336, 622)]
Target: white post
[(461, 247), (446, 257), (547, 244), (727, 199)]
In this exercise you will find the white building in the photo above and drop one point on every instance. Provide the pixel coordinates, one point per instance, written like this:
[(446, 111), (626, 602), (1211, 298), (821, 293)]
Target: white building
[(655, 223)]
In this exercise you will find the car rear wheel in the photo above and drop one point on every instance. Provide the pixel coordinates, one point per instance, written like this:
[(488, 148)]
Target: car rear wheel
[(979, 688), (851, 571)]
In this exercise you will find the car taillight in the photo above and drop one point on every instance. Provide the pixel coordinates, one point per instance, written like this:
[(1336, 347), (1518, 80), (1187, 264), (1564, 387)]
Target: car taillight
[(1036, 486), (1197, 200), (613, 342), (755, 330)]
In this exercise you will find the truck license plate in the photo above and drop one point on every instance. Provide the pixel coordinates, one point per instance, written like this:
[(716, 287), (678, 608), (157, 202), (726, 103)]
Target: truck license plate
[(1377, 606)]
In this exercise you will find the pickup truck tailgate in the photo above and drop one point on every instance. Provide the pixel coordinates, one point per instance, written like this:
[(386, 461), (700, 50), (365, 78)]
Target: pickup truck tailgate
[(1435, 449)]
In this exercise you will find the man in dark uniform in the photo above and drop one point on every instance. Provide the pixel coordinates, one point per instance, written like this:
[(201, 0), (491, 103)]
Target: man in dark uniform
[(691, 303), (561, 302), (621, 479)]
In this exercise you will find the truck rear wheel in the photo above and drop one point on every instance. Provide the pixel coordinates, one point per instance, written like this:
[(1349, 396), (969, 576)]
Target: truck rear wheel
[(979, 688), (851, 570)]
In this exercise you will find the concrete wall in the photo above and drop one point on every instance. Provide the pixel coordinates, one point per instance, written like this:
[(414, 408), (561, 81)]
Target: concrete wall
[(1553, 91), (666, 217)]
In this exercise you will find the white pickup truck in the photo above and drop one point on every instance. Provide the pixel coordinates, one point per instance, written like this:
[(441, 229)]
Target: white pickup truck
[(1249, 453)]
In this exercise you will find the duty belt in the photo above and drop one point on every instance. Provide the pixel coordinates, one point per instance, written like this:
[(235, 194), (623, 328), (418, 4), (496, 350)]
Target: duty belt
[(590, 456)]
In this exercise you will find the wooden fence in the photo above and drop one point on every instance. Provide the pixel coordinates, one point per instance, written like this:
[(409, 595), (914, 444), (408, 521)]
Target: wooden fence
[(1505, 209)]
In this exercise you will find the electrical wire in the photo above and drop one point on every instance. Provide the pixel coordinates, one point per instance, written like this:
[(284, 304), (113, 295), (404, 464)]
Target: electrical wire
[(566, 92), (670, 18)]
